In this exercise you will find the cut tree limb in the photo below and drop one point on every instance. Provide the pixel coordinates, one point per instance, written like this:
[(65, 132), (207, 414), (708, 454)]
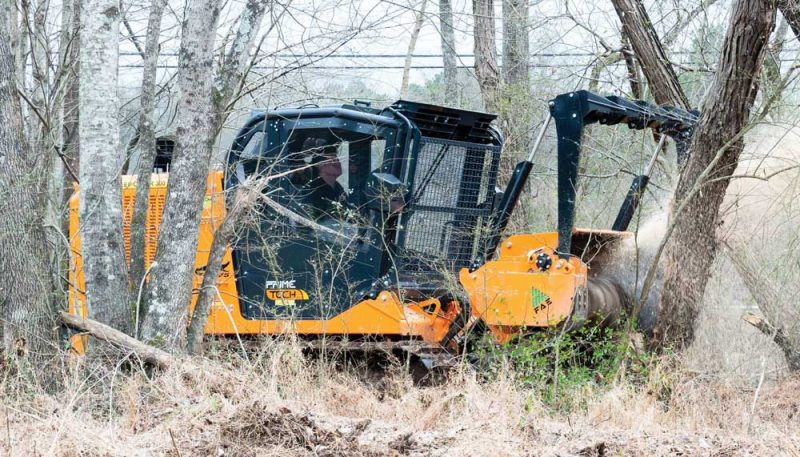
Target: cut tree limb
[(116, 338), (778, 336), (767, 297)]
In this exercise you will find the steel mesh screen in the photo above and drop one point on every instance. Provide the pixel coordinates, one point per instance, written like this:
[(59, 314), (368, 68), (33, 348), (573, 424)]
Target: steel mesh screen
[(451, 203)]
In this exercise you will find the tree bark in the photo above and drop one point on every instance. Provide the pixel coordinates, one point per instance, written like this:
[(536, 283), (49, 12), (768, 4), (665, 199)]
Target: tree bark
[(669, 39), (485, 50), (636, 25), (102, 242), (147, 144), (448, 52), (26, 303), (778, 336), (633, 69), (714, 155), (223, 236), (412, 44), (170, 287)]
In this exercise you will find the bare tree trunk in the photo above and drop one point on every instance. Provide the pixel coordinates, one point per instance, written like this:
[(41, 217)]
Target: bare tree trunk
[(448, 52), (412, 44), (228, 85), (650, 53), (102, 242), (668, 40), (147, 354), (231, 76), (147, 144), (515, 111), (715, 150), (22, 49), (485, 50), (515, 42), (28, 314), (170, 286), (222, 237), (71, 141), (634, 80)]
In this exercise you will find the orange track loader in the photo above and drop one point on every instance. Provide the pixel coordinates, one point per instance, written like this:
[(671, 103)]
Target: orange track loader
[(413, 255)]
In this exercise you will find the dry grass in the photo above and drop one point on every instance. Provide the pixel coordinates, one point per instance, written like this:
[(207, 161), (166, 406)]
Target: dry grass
[(281, 403)]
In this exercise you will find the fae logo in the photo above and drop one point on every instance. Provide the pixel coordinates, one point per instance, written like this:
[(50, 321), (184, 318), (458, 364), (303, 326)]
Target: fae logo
[(539, 300)]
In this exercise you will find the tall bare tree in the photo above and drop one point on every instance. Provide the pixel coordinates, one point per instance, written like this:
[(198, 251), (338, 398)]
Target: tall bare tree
[(714, 154), (231, 76), (485, 50), (516, 47), (449, 60), (102, 243), (70, 145), (170, 286), (419, 17), (26, 303), (147, 143)]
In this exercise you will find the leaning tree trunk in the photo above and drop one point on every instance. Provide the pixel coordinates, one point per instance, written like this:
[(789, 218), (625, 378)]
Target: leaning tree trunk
[(485, 49), (448, 52), (26, 304), (102, 242), (147, 145), (638, 28), (227, 88), (714, 155), (170, 288), (231, 77)]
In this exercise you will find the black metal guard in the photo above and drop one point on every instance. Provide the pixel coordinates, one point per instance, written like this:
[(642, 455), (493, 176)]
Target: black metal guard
[(448, 221), (574, 110)]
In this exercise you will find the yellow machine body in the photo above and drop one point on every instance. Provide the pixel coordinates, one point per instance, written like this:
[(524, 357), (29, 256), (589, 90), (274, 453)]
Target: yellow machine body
[(386, 315)]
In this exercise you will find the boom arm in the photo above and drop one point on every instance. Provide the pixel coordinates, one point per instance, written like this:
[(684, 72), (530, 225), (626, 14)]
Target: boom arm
[(573, 111)]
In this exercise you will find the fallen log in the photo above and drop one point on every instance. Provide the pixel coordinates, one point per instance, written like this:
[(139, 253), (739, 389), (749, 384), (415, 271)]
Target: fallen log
[(103, 332)]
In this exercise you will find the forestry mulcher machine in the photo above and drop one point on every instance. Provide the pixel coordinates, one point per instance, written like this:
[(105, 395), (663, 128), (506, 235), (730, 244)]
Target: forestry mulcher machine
[(416, 259)]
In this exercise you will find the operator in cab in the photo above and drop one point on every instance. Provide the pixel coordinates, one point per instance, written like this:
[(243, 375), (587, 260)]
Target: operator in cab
[(323, 196)]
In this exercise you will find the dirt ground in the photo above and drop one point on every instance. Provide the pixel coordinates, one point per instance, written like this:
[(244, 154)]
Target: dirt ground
[(284, 404)]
